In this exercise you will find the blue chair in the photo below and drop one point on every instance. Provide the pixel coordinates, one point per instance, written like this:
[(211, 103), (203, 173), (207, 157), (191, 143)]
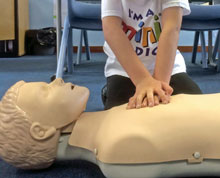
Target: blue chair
[(82, 16), (203, 18)]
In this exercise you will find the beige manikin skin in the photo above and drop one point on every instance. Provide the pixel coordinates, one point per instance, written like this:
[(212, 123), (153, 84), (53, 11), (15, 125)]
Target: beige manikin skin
[(188, 125), (59, 103), (32, 116), (187, 128)]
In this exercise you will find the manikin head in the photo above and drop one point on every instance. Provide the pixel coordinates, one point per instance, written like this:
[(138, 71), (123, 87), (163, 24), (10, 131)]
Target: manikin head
[(32, 116)]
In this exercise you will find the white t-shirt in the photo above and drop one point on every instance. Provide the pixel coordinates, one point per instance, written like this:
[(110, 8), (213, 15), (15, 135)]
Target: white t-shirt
[(142, 24)]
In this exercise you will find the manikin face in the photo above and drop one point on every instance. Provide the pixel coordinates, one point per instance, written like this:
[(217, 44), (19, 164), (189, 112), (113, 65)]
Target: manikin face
[(56, 104)]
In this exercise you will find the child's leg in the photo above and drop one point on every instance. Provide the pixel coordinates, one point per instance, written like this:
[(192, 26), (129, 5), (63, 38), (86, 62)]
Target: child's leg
[(182, 83), (119, 90)]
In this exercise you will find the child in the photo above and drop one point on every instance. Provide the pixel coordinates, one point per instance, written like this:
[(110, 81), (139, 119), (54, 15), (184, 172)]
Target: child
[(144, 66)]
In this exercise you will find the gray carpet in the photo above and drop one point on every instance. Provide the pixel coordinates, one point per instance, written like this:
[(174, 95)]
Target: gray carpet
[(89, 74), (41, 68)]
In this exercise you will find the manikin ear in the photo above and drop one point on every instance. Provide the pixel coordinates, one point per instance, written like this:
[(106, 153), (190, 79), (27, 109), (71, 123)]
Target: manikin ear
[(40, 132)]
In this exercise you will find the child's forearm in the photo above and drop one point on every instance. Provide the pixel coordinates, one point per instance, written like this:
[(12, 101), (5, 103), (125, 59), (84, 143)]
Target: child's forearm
[(166, 55), (171, 22), (123, 49)]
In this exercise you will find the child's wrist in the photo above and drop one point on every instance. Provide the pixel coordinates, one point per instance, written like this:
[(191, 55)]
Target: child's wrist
[(143, 78)]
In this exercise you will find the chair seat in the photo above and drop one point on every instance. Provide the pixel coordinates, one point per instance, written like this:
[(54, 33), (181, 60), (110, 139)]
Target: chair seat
[(84, 10), (202, 18), (203, 12), (200, 25), (84, 15), (86, 24)]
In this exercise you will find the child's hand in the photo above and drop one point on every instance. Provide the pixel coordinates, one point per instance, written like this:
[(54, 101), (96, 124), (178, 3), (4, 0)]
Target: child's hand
[(150, 92)]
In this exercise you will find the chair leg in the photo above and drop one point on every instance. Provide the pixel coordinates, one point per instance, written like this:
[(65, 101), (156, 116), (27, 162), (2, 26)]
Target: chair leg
[(216, 46), (79, 50), (88, 54), (70, 52), (204, 60), (195, 47), (63, 49)]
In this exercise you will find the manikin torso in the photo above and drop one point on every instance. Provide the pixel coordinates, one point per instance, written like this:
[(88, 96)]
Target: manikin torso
[(185, 129), (161, 141)]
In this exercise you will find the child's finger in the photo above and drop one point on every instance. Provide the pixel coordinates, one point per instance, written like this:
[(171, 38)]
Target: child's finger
[(164, 99), (139, 100), (131, 103), (150, 99), (156, 100), (144, 103), (168, 89)]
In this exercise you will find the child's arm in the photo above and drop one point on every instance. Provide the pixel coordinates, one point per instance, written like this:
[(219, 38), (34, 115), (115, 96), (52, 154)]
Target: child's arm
[(146, 85), (171, 24)]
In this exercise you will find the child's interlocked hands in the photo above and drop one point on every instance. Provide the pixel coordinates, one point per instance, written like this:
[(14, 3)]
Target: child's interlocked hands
[(150, 92)]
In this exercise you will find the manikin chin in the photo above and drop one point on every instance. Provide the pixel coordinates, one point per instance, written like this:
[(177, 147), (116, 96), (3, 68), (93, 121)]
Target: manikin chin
[(41, 122)]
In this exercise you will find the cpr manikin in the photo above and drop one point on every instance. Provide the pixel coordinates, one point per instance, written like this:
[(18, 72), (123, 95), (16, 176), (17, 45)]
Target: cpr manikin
[(41, 122)]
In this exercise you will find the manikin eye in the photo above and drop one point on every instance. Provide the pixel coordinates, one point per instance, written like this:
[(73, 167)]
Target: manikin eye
[(72, 87)]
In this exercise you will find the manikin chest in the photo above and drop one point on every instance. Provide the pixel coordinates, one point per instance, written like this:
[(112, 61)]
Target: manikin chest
[(185, 129)]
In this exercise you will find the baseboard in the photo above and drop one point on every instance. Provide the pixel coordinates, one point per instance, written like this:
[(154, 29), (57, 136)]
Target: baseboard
[(93, 49), (190, 48), (99, 49)]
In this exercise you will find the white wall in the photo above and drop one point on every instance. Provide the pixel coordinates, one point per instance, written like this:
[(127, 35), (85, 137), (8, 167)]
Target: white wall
[(41, 15)]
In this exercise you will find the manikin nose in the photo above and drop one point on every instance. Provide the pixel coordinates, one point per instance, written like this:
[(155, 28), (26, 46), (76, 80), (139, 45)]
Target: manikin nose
[(57, 81)]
